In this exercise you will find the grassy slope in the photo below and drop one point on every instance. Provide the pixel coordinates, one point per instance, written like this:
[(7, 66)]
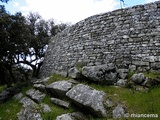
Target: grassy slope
[(136, 102)]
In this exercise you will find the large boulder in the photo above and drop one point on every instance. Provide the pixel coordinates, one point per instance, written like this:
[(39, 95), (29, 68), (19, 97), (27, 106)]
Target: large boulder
[(59, 88), (105, 74), (89, 99)]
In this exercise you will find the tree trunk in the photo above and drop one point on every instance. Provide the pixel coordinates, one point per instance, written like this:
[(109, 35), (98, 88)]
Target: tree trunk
[(38, 69), (11, 74)]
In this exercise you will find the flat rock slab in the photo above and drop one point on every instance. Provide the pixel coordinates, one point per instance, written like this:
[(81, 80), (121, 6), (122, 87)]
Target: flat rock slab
[(27, 102), (35, 95), (71, 116), (89, 98), (60, 102), (29, 110), (60, 88)]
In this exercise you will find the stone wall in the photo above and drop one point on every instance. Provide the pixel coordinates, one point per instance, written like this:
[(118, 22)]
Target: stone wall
[(125, 37)]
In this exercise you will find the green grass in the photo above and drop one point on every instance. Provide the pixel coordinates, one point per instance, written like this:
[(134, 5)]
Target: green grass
[(9, 110), (55, 110), (135, 102), (57, 77), (152, 75)]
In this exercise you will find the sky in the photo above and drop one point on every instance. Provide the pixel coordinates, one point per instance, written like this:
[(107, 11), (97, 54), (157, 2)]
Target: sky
[(68, 11)]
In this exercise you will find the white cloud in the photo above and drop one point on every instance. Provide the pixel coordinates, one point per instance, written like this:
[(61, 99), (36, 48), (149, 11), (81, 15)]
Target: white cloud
[(16, 4), (148, 1), (69, 10)]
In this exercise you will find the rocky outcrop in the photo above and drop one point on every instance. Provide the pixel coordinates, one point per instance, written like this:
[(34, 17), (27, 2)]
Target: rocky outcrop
[(83, 97), (105, 74), (89, 98)]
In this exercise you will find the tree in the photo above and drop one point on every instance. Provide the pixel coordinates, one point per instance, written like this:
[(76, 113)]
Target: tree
[(11, 41), (4, 1), (39, 32), (37, 41), (54, 29), (23, 41)]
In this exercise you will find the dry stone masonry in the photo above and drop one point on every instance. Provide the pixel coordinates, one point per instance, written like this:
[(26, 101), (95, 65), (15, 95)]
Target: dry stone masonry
[(124, 37)]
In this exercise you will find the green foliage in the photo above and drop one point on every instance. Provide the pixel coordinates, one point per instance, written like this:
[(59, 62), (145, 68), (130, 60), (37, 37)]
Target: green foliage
[(4, 1), (23, 41)]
